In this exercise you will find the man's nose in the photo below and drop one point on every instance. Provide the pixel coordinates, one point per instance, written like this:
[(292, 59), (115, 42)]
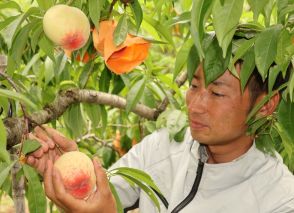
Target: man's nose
[(198, 103)]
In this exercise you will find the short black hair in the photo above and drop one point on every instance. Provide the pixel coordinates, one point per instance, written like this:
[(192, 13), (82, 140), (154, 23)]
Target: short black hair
[(258, 86)]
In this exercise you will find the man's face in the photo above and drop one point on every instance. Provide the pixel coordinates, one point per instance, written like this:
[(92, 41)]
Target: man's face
[(217, 113)]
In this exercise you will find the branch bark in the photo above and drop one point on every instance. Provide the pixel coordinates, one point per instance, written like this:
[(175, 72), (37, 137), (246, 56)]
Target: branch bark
[(15, 126)]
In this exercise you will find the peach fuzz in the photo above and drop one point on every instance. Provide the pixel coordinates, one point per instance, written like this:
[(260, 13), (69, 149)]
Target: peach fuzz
[(66, 26), (77, 172)]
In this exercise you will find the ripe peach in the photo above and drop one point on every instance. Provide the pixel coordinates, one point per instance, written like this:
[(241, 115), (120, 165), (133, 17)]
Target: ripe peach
[(66, 26), (77, 172)]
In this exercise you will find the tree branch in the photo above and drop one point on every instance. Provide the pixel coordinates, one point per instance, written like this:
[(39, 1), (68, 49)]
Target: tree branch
[(15, 126)]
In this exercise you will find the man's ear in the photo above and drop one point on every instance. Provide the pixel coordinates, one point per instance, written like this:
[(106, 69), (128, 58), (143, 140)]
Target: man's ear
[(269, 107)]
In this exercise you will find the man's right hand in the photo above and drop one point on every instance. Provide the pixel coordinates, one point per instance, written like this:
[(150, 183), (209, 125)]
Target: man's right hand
[(53, 144)]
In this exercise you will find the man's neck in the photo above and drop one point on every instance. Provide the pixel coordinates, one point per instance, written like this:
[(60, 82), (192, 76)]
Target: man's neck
[(228, 152)]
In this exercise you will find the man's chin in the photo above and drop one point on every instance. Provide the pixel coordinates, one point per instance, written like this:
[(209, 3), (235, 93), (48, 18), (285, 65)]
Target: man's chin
[(200, 138)]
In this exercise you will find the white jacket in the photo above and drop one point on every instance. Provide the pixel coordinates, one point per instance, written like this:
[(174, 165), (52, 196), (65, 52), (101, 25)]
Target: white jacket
[(253, 183)]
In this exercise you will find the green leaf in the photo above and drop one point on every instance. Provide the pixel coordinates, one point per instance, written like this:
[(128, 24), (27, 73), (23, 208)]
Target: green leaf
[(74, 120), (104, 81), (286, 117), (4, 155), (118, 84), (266, 49), (47, 46), (35, 36), (95, 7), (243, 49), (11, 5), (201, 10), (148, 98), (121, 30), (281, 6), (176, 121), (4, 171), (247, 67), (135, 94), (137, 174), (257, 7), (192, 63), (20, 41), (169, 82), (183, 18), (66, 84), (10, 29), (30, 146), (288, 10), (258, 106), (138, 13), (267, 12), (179, 137), (256, 124), (35, 193), (287, 141), (167, 93), (265, 144), (45, 4), (17, 96), (214, 64), (119, 206), (103, 113), (284, 41), (108, 156), (225, 20), (49, 70), (7, 21), (273, 74), (182, 56), (160, 29), (86, 73), (291, 88), (93, 112), (146, 189)]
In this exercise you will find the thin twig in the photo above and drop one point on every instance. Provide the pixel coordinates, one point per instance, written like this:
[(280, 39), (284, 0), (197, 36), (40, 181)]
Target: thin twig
[(180, 80), (111, 7), (104, 143)]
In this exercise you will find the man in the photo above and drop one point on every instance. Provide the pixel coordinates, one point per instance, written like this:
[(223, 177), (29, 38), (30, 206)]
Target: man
[(225, 174)]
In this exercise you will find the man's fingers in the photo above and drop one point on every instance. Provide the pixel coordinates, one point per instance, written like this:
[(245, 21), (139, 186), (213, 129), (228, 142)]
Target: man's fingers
[(101, 179), (61, 194), (51, 155), (31, 161), (48, 185), (63, 142), (48, 180), (44, 146), (43, 135)]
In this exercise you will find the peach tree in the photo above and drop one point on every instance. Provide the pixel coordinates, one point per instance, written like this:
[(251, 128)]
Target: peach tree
[(125, 75)]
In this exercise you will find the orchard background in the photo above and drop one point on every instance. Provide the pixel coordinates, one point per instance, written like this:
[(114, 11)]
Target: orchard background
[(107, 113)]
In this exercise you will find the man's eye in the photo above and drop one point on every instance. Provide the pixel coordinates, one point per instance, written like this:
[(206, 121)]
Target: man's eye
[(217, 94), (193, 86)]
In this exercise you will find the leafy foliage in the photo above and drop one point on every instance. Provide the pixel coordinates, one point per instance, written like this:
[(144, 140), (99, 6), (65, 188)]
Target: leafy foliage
[(184, 33)]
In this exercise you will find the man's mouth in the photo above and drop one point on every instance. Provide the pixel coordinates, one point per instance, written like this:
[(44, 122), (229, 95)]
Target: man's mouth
[(197, 125)]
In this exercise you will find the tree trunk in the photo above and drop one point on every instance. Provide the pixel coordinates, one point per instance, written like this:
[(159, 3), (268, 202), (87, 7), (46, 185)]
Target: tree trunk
[(18, 190)]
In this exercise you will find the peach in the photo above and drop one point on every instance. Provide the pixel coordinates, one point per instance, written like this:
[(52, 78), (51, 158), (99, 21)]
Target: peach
[(77, 172), (66, 26)]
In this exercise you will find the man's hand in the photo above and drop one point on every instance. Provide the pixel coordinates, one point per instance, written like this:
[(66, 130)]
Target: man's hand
[(53, 145), (101, 201)]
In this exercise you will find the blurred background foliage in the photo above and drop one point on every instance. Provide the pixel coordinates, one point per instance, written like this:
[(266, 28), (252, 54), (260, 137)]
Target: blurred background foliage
[(40, 69)]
